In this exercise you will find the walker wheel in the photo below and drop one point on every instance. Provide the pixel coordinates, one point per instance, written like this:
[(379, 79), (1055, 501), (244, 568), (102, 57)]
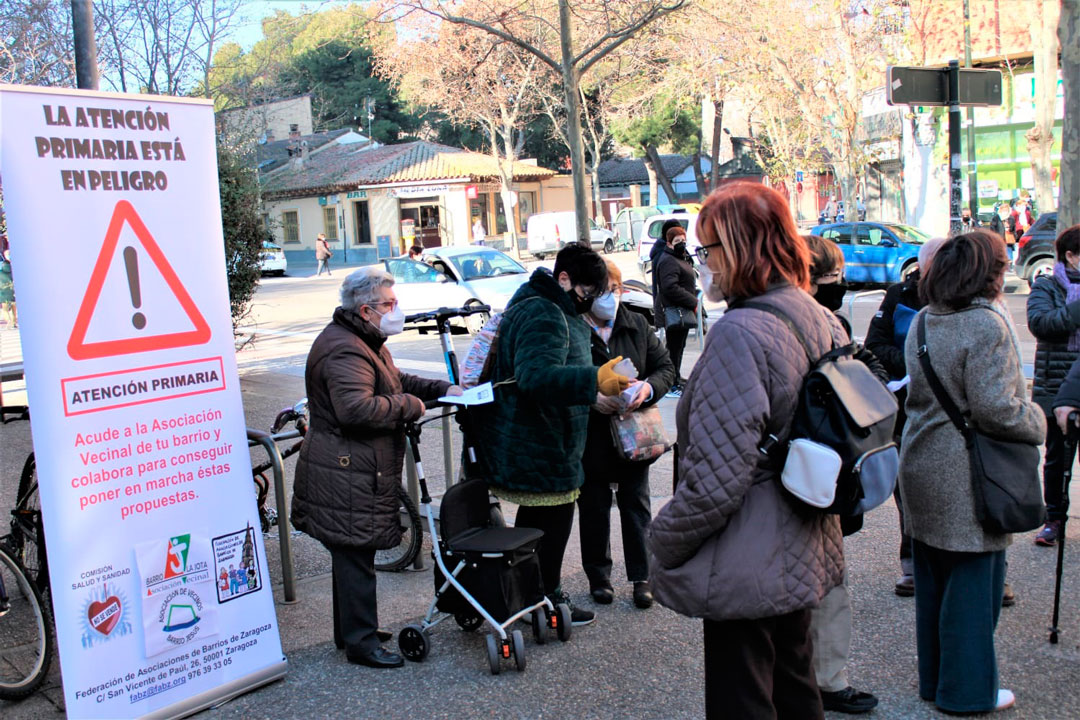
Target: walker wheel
[(539, 626), (493, 653), (468, 622), (561, 621), (518, 642), (413, 643)]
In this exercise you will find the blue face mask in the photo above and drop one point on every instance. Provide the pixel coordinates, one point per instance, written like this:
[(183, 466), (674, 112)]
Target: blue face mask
[(605, 306)]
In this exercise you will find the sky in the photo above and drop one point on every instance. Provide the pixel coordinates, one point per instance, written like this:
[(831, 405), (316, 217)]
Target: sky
[(249, 31)]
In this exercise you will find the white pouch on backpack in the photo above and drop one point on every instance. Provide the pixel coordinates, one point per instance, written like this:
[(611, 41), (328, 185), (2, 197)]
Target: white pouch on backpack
[(811, 471)]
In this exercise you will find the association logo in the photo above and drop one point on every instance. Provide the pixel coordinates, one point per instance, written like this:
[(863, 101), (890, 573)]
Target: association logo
[(177, 555), (180, 614), (178, 562), (105, 614)]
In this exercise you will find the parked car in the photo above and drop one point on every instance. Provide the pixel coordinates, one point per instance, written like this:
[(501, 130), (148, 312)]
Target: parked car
[(650, 234), (273, 260), (489, 276), (1035, 249), (878, 253), (421, 288), (629, 221), (548, 233)]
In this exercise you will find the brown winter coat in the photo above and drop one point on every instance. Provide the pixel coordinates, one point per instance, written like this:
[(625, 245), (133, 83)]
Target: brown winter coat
[(732, 543), (349, 470)]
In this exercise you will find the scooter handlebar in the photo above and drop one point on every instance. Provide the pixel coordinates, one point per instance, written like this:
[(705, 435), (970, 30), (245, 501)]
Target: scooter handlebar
[(447, 312)]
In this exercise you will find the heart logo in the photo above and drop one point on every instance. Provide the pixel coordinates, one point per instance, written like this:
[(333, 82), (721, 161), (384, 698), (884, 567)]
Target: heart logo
[(104, 615)]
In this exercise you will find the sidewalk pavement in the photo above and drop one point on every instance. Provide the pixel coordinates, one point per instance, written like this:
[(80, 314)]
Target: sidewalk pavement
[(629, 664)]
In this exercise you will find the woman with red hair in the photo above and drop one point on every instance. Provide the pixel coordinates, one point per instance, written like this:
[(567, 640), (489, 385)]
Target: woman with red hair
[(732, 546)]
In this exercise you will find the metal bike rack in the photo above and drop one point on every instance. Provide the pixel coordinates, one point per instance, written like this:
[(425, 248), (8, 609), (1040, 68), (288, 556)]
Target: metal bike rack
[(412, 486), (288, 576), (857, 296)]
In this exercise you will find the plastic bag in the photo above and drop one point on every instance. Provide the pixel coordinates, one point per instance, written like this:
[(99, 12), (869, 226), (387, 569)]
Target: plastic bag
[(640, 436)]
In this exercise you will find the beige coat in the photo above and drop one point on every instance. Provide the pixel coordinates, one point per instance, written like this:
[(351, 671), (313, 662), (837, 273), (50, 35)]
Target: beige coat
[(977, 356), (732, 543)]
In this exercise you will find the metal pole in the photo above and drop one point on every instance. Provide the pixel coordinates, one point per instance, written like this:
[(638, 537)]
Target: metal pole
[(82, 28), (973, 180), (956, 195), (413, 488), (448, 451), (288, 577), (573, 124)]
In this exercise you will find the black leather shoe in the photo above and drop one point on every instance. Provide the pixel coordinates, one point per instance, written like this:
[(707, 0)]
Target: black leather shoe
[(378, 658), (643, 597), (849, 700), (602, 595), (384, 635)]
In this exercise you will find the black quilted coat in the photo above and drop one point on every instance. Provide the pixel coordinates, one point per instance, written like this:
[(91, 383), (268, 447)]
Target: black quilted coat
[(1051, 321)]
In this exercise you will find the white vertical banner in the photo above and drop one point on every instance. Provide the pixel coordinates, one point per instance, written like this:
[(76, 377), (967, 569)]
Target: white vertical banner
[(157, 566)]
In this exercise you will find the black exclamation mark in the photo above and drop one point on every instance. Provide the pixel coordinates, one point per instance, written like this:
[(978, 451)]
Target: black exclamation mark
[(131, 262)]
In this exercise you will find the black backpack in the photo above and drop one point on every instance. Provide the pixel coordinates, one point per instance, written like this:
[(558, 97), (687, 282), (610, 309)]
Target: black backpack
[(845, 408)]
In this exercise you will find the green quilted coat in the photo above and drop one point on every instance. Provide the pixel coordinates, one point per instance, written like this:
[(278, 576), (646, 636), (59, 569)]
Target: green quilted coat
[(533, 436)]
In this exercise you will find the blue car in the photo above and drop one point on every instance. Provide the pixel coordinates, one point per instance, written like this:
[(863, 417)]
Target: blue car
[(878, 253)]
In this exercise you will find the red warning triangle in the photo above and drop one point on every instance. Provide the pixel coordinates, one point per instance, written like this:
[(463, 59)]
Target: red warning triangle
[(79, 349)]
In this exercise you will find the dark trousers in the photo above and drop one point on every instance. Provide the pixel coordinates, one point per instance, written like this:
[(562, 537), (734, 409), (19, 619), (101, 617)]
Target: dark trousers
[(1057, 502), (356, 614), (676, 344), (957, 604), (761, 669), (905, 539), (594, 527), (556, 521)]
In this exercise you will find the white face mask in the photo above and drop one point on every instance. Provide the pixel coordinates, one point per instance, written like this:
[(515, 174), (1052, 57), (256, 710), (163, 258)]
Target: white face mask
[(708, 283), (391, 322), (605, 306)]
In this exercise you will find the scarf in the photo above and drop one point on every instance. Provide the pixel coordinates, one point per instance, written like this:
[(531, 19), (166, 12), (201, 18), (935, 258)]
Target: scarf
[(1069, 280)]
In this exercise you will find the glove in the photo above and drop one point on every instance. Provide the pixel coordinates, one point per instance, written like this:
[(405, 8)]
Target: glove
[(609, 382)]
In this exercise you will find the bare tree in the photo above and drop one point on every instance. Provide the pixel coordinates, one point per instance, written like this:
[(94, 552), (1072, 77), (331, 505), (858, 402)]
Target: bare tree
[(35, 43), (546, 29), (1040, 138), (1069, 37)]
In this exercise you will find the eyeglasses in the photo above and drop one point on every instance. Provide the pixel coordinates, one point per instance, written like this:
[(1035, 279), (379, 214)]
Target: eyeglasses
[(587, 296), (827, 277), (392, 303), (702, 252)]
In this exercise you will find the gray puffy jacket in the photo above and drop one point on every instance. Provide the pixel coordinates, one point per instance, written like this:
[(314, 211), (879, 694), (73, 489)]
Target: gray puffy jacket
[(732, 543)]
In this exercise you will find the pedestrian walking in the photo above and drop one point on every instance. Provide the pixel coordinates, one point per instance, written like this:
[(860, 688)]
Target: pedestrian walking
[(616, 332), (323, 253), (885, 338), (675, 299), (967, 221), (478, 232), (1053, 316), (860, 208), (830, 624), (545, 383), (959, 566), (831, 209), (349, 472), (731, 547)]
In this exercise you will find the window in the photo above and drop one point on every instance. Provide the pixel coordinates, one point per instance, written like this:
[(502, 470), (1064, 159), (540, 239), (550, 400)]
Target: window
[(868, 235), (409, 271), (290, 226), (526, 207), (329, 221), (500, 215), (839, 234)]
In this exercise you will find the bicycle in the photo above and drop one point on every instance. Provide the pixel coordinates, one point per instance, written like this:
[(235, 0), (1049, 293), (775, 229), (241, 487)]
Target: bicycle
[(392, 559), (27, 539), (26, 641)]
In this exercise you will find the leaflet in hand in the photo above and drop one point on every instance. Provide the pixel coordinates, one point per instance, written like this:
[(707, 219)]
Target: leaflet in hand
[(479, 395), (897, 384)]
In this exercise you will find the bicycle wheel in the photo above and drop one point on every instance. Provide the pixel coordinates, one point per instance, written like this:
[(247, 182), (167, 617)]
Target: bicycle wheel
[(402, 555), (26, 643), (27, 530)]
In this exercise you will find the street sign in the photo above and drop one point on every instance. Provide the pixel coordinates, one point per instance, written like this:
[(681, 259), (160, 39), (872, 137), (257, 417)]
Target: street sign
[(930, 86), (798, 176)]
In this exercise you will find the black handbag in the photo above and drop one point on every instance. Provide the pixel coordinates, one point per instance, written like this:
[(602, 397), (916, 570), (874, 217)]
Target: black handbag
[(1004, 475), (679, 317)]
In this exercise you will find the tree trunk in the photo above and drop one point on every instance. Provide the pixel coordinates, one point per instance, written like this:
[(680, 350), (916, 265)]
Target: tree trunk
[(598, 208), (699, 177), (661, 177), (573, 125), (717, 138), (1069, 37), (1040, 139), (651, 170), (506, 175)]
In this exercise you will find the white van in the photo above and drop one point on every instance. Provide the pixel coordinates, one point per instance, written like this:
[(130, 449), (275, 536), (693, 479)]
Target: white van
[(548, 233), (650, 234)]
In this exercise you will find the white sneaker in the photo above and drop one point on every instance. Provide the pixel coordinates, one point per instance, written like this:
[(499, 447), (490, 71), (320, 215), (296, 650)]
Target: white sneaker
[(1005, 699)]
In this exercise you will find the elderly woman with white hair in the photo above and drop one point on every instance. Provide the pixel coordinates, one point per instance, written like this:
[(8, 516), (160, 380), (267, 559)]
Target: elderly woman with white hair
[(349, 470)]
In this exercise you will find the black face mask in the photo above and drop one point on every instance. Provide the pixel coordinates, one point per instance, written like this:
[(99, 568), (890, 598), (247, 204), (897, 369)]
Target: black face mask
[(680, 249), (831, 295), (580, 306)]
